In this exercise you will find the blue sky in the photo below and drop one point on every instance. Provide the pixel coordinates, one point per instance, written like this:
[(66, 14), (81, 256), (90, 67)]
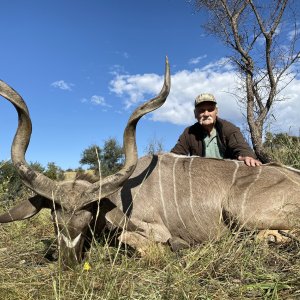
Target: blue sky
[(83, 66)]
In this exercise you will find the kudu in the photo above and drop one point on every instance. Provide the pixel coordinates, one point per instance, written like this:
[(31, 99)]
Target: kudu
[(73, 203), (164, 198)]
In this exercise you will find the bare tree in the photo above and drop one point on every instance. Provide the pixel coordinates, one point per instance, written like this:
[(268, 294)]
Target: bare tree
[(155, 146), (262, 37)]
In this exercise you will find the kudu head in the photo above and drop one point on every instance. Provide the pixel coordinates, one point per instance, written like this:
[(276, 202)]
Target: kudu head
[(72, 202)]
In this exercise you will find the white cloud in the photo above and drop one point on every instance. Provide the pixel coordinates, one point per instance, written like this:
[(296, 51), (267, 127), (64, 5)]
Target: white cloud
[(61, 84), (96, 100), (221, 65), (99, 100), (123, 54), (186, 85), (293, 34), (287, 112), (134, 87), (196, 60), (218, 78), (117, 69)]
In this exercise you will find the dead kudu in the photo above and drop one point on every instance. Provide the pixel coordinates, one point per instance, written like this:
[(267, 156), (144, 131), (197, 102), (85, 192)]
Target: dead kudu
[(164, 198)]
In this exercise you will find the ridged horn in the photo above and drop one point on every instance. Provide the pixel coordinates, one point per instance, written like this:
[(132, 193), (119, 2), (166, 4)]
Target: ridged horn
[(114, 182), (36, 181)]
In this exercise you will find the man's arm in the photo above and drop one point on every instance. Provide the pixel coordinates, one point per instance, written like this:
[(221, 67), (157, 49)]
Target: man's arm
[(182, 145), (241, 149)]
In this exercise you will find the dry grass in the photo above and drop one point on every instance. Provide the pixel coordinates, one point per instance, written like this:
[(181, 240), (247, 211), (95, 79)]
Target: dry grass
[(236, 267), (286, 150)]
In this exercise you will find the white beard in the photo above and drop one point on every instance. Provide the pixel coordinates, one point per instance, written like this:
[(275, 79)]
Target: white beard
[(203, 119)]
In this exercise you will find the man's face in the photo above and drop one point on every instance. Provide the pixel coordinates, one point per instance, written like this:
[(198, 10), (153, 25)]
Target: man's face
[(206, 113)]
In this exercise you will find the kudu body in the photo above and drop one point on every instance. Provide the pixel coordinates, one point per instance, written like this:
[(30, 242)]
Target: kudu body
[(163, 198), (188, 200)]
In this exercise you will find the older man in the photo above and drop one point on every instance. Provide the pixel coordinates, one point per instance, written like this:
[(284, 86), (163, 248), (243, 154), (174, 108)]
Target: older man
[(212, 136)]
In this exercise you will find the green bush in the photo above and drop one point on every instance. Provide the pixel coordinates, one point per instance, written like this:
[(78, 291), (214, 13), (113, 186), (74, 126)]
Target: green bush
[(109, 159), (283, 148), (11, 186)]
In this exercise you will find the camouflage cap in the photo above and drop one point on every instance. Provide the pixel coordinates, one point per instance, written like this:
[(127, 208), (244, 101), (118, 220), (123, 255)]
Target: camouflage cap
[(205, 98)]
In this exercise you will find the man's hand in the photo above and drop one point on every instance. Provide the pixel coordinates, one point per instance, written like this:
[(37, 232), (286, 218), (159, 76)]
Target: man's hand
[(250, 161)]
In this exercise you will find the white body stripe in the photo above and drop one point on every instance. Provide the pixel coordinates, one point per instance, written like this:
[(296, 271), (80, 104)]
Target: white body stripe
[(297, 183), (247, 191), (161, 190), (175, 191), (235, 171), (191, 190)]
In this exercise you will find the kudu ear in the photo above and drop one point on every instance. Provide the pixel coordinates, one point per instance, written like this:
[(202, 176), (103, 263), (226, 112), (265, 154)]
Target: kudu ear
[(24, 210)]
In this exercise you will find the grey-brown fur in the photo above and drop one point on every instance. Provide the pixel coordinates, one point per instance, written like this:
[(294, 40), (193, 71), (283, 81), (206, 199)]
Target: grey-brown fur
[(196, 199)]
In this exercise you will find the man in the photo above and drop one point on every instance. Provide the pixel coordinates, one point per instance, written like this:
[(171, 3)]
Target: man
[(212, 136)]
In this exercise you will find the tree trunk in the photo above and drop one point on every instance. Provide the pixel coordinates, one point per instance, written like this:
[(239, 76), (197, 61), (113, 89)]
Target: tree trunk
[(256, 131), (255, 126)]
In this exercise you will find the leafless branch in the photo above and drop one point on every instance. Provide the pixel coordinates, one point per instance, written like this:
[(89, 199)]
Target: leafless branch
[(251, 28)]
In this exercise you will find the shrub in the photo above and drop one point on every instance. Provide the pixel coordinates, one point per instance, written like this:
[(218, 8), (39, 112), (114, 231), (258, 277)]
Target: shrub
[(283, 148), (11, 186)]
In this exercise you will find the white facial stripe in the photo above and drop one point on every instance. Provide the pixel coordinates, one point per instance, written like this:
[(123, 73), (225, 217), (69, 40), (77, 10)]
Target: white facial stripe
[(69, 242)]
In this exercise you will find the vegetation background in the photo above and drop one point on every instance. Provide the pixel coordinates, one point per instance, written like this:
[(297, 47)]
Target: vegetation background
[(236, 267)]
